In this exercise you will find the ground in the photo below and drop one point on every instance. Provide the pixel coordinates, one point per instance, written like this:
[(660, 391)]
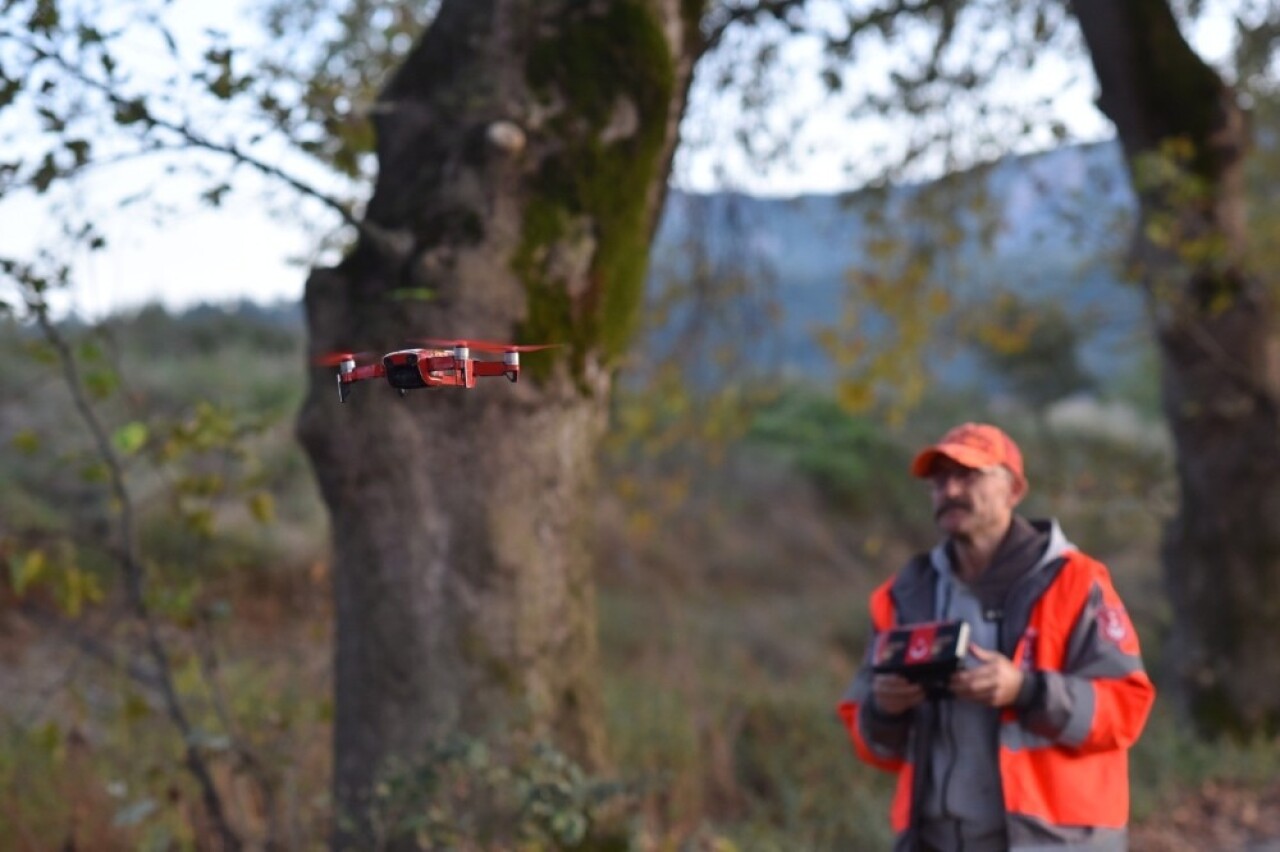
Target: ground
[(1216, 818)]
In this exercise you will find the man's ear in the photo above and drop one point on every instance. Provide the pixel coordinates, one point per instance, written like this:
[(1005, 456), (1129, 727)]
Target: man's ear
[(1017, 488)]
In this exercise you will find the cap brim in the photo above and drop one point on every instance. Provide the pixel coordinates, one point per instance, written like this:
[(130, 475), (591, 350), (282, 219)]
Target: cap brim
[(958, 453)]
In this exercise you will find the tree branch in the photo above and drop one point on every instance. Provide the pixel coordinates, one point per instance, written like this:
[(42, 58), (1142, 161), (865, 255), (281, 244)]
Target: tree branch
[(89, 645), (726, 17), (883, 17), (134, 573), (384, 240)]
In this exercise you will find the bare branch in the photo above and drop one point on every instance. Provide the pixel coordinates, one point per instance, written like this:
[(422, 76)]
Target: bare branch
[(749, 15), (134, 573), (385, 241), (91, 645), (883, 17)]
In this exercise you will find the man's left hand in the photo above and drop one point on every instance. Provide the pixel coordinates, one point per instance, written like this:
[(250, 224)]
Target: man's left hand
[(994, 683)]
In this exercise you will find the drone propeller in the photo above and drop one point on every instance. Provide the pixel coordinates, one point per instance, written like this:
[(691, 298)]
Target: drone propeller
[(335, 359), (485, 345)]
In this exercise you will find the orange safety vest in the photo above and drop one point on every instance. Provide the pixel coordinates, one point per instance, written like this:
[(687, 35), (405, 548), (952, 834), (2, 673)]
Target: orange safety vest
[(1081, 777)]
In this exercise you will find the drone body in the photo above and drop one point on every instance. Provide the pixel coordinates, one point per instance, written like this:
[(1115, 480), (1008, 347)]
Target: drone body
[(448, 363)]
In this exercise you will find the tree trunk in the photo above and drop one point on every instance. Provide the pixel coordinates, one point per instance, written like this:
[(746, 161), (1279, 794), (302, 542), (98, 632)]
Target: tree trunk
[(1184, 136), (523, 148)]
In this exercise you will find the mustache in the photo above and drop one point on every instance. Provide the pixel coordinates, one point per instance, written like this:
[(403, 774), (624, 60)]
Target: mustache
[(952, 504)]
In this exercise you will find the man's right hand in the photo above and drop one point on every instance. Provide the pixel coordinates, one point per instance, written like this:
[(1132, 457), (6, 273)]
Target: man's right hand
[(894, 695)]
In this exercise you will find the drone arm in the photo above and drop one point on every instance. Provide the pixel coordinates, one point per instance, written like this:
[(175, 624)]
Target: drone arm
[(366, 371), (491, 368), (347, 375)]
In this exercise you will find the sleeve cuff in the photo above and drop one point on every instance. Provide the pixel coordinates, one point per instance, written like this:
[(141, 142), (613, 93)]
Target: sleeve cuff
[(1030, 692)]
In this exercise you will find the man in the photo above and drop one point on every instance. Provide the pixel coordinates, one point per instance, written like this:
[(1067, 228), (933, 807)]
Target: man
[(1030, 749)]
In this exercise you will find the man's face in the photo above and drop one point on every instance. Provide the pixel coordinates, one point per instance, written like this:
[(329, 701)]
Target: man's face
[(971, 501)]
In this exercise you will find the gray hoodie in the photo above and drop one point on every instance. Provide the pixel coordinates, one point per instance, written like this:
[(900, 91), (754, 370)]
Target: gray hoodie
[(963, 806)]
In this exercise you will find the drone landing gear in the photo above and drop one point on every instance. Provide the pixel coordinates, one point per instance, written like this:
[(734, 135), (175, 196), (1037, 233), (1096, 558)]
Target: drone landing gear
[(343, 390), (402, 392)]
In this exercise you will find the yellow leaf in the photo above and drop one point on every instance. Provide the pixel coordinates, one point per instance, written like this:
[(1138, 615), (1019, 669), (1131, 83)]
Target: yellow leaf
[(263, 507), (856, 396), (27, 570), (939, 302)]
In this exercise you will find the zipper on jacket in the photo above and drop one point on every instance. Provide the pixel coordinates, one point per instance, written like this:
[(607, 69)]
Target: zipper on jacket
[(948, 723)]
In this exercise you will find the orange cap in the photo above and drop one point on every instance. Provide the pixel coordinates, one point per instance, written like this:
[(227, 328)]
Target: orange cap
[(972, 445)]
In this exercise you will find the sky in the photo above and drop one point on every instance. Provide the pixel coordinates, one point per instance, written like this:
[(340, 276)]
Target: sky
[(246, 250)]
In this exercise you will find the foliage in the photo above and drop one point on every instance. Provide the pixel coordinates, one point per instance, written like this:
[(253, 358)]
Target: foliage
[(933, 88), (851, 458), (103, 89), (1034, 351), (340, 52), (459, 794), (142, 500)]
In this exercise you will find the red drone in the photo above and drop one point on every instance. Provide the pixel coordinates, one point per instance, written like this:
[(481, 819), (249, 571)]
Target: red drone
[(448, 363)]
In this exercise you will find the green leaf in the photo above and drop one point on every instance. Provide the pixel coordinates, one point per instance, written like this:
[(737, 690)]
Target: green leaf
[(45, 18), (79, 149), (200, 522), (77, 589), (95, 472), (52, 122), (89, 352), (48, 738), (135, 707), (41, 353), (89, 35), (222, 87), (130, 437), (27, 442), (9, 89), (45, 175), (201, 485), (101, 383), (131, 111)]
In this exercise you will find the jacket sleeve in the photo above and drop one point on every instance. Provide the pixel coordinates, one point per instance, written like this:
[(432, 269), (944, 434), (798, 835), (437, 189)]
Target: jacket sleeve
[(1101, 697), (878, 738)]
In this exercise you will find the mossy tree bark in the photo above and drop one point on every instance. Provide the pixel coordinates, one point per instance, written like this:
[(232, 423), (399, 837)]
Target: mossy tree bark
[(523, 150), (1184, 134)]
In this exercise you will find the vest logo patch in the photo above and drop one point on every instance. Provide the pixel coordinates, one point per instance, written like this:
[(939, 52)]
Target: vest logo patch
[(1113, 623), (1026, 653)]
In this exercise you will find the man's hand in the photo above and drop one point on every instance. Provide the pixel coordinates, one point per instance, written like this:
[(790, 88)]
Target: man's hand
[(995, 682), (894, 694)]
